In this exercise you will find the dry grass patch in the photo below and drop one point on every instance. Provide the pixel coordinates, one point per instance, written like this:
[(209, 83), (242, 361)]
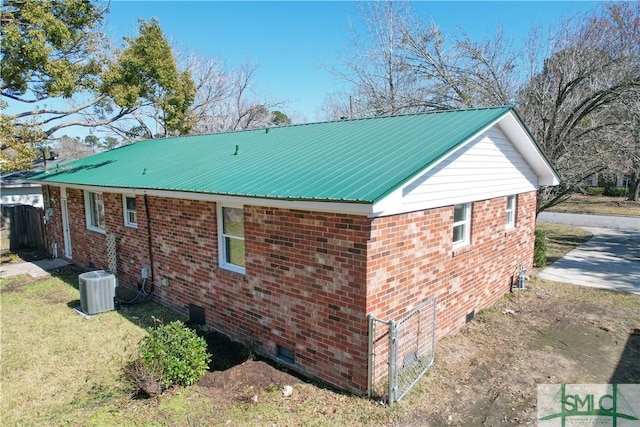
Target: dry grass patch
[(54, 359), (59, 368), (598, 205), (562, 239)]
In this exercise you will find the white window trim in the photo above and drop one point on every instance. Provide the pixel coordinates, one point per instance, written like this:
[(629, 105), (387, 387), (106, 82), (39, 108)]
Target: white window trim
[(466, 222), (222, 262), (89, 212), (128, 223), (512, 202)]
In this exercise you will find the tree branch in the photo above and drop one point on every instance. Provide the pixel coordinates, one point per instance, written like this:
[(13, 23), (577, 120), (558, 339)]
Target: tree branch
[(62, 113), (81, 123)]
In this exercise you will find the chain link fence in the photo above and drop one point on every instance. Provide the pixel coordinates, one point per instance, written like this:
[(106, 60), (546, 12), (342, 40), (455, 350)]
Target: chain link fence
[(400, 352)]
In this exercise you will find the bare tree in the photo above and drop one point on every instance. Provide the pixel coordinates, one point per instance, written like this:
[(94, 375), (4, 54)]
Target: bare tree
[(226, 99), (338, 105), (628, 143), (453, 71), (574, 103), (403, 66), (573, 85), (381, 82)]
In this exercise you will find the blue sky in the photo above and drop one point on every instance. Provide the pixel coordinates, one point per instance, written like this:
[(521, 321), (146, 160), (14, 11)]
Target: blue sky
[(294, 43)]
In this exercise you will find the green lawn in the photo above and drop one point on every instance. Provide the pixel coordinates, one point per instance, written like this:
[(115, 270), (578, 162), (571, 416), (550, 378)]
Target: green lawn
[(56, 363), (59, 368)]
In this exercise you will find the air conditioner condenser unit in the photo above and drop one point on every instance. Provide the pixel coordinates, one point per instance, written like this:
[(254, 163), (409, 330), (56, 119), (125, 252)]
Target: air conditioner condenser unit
[(97, 291)]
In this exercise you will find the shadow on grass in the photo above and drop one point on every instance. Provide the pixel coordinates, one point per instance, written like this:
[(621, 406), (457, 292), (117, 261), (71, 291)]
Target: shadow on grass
[(147, 314), (568, 239), (68, 274), (628, 369), (144, 314), (567, 242)]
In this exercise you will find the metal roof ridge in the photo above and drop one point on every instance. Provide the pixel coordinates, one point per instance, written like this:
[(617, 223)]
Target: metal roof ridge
[(421, 113), (353, 119)]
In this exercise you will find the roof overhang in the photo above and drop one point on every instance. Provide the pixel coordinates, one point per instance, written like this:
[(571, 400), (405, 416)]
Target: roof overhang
[(365, 209), (20, 185), (524, 143), (514, 129)]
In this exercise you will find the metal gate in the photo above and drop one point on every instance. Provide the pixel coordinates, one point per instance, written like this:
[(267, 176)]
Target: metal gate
[(400, 352)]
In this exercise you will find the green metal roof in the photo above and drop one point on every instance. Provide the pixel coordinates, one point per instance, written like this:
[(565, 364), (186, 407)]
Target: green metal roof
[(359, 160)]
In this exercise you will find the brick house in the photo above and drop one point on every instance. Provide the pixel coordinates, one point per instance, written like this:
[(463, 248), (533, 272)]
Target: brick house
[(290, 237)]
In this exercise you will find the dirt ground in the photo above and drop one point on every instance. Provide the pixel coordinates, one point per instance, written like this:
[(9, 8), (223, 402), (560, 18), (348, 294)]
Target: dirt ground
[(551, 333), (235, 375), (487, 373)]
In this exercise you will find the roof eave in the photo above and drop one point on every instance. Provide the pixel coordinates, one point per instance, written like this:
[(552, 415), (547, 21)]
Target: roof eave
[(511, 123), (320, 205)]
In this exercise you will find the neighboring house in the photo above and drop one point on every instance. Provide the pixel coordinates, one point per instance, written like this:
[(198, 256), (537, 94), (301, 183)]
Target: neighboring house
[(15, 189), (598, 180), (290, 237)]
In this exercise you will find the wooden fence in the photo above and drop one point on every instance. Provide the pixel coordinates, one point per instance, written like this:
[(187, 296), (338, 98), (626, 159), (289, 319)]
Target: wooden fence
[(22, 228)]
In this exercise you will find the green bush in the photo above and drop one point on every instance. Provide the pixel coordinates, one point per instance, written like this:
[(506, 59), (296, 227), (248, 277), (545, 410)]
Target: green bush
[(595, 191), (540, 249), (615, 191), (175, 353)]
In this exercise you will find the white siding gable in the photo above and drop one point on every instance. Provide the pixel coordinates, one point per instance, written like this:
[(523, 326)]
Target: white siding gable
[(488, 166)]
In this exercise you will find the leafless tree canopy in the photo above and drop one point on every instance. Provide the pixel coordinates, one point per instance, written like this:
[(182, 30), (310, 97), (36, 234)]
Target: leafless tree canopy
[(226, 99), (577, 103), (574, 85)]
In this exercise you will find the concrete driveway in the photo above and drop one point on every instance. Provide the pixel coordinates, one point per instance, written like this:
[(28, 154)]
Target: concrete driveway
[(610, 260)]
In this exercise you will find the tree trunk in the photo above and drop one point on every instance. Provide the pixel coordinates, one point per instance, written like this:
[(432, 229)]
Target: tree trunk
[(634, 188)]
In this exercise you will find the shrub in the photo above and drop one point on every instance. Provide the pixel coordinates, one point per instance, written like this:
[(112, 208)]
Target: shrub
[(143, 380), (175, 353), (615, 191), (540, 249), (595, 191)]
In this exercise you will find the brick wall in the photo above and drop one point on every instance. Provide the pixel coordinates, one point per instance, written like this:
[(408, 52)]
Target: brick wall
[(304, 283), (305, 287), (411, 259), (306, 276)]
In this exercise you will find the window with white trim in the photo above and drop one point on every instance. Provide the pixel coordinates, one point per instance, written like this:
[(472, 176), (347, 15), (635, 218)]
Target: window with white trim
[(511, 212), (130, 214), (461, 224), (231, 238), (94, 209)]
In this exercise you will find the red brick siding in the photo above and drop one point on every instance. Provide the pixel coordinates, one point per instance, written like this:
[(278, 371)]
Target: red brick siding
[(88, 247), (311, 277), (304, 282), (131, 243), (303, 288), (306, 275), (411, 259), (184, 251)]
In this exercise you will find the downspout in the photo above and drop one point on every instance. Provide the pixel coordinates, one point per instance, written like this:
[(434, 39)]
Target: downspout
[(44, 226), (146, 209)]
